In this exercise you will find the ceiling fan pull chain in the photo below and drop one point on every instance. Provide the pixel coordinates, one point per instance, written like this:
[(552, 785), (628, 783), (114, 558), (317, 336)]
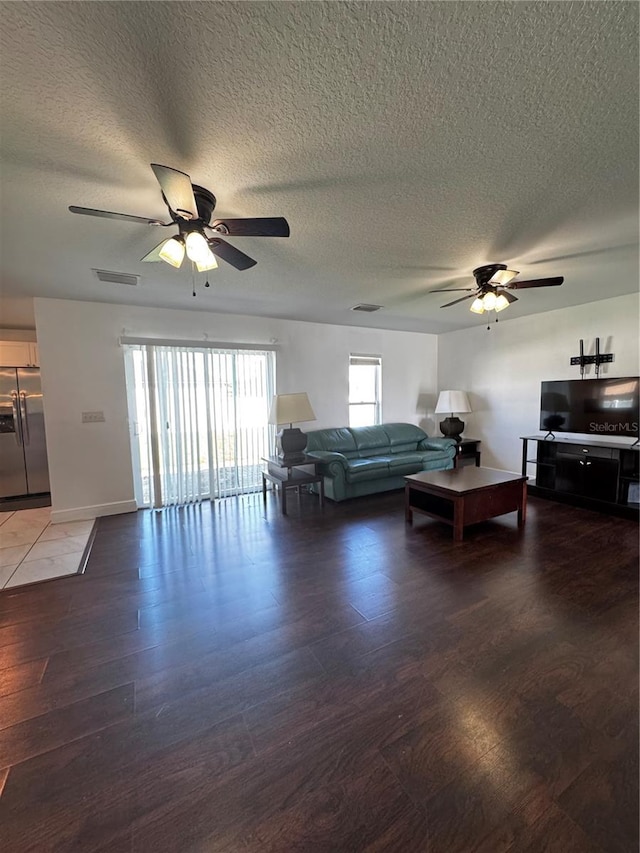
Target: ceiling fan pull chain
[(193, 279)]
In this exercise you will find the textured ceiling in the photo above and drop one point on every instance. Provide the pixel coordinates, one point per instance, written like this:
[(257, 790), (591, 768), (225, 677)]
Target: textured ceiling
[(406, 143)]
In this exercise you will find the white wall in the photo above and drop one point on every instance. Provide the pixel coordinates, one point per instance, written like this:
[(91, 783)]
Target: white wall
[(502, 368), (82, 368)]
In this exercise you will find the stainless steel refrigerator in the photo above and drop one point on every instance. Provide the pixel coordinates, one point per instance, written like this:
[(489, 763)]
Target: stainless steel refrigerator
[(23, 451)]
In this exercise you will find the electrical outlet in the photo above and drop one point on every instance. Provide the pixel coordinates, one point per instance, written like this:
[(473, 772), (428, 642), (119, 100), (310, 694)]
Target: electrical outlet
[(93, 417)]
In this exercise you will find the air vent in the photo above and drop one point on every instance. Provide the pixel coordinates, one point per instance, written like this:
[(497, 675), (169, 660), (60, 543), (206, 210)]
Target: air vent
[(368, 309), (117, 277)]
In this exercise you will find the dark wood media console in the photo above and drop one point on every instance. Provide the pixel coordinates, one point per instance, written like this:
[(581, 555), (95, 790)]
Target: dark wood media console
[(592, 473)]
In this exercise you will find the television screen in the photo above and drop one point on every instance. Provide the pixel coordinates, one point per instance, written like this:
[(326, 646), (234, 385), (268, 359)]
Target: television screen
[(597, 407)]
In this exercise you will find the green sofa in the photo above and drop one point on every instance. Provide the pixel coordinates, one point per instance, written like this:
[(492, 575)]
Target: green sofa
[(359, 461)]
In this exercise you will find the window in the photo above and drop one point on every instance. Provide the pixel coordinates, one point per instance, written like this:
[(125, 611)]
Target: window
[(365, 405)]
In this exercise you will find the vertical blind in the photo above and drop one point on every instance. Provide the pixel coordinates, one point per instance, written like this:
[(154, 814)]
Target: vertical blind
[(200, 419)]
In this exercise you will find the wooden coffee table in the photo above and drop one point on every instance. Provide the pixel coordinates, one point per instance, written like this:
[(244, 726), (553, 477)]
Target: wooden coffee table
[(463, 496)]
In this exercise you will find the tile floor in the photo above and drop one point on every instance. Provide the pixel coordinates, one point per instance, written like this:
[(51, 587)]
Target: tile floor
[(32, 549)]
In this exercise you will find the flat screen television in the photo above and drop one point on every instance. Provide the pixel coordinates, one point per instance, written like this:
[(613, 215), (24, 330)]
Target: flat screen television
[(597, 407)]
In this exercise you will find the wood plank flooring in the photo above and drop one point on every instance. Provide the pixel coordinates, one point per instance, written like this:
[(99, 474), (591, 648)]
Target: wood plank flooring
[(223, 678)]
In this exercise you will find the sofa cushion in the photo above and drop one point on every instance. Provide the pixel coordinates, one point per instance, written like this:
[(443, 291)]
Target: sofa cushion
[(339, 440), (403, 448), (396, 460), (405, 436), (365, 469), (370, 440), (403, 463)]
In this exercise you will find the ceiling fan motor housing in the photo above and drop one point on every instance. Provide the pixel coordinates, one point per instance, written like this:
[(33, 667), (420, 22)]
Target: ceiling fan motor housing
[(484, 274), (205, 203)]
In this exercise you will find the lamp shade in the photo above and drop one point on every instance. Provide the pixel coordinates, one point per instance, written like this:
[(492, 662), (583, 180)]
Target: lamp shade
[(452, 401), (291, 409)]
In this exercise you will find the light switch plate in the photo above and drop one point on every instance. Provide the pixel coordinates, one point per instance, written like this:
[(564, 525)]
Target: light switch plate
[(93, 417)]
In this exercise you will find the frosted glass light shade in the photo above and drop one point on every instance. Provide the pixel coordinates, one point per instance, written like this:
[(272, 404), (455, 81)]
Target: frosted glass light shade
[(452, 401), (291, 409), (209, 264), (488, 301), (501, 302), (476, 306), (172, 252), (198, 249)]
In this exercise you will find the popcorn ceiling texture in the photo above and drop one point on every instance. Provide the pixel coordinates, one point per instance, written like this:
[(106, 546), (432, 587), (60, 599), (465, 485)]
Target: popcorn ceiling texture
[(405, 143)]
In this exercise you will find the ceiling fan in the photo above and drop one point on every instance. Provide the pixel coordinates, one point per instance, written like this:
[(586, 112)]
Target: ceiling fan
[(493, 283), (190, 208)]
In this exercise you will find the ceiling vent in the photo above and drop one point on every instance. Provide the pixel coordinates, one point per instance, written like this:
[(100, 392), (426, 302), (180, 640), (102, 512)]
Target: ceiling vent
[(368, 309), (117, 277)]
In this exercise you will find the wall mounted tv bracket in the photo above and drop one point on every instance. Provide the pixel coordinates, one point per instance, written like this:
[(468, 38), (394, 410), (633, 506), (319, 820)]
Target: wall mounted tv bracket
[(597, 359)]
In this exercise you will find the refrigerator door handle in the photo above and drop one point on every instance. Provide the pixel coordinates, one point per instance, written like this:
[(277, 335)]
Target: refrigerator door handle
[(25, 419), (16, 418)]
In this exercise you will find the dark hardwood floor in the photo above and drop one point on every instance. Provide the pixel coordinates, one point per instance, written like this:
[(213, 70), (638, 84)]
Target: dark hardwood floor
[(223, 678)]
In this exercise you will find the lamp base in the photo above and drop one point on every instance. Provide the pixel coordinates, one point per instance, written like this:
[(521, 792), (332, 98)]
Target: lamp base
[(452, 427), (291, 444)]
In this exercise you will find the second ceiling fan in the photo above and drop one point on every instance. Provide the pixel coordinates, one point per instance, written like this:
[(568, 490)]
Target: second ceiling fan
[(493, 283)]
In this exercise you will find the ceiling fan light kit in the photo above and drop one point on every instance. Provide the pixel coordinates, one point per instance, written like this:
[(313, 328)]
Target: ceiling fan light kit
[(190, 208), (492, 301)]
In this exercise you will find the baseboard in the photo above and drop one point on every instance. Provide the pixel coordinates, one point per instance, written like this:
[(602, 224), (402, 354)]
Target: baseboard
[(85, 513)]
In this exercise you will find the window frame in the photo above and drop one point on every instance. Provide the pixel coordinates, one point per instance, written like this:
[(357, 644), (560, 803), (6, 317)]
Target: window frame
[(373, 360)]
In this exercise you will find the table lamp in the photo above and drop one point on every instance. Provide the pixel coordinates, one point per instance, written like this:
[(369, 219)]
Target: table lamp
[(291, 409), (452, 401)]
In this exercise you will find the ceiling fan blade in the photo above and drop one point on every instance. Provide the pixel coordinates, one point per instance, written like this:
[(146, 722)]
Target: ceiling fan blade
[(154, 254), (536, 282), (452, 289), (455, 301), (265, 226), (508, 296), (177, 190), (107, 214), (230, 254)]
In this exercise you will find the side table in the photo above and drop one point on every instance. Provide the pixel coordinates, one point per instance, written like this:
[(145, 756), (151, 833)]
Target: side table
[(287, 476), (467, 452)]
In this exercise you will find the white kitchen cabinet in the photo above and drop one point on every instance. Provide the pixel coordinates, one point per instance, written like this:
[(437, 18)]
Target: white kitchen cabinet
[(19, 354)]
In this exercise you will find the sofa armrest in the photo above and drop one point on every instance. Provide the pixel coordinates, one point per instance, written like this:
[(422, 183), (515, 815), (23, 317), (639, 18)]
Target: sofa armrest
[(444, 445), (329, 462)]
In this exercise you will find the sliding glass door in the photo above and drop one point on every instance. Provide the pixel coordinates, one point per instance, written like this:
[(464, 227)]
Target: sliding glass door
[(199, 421)]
